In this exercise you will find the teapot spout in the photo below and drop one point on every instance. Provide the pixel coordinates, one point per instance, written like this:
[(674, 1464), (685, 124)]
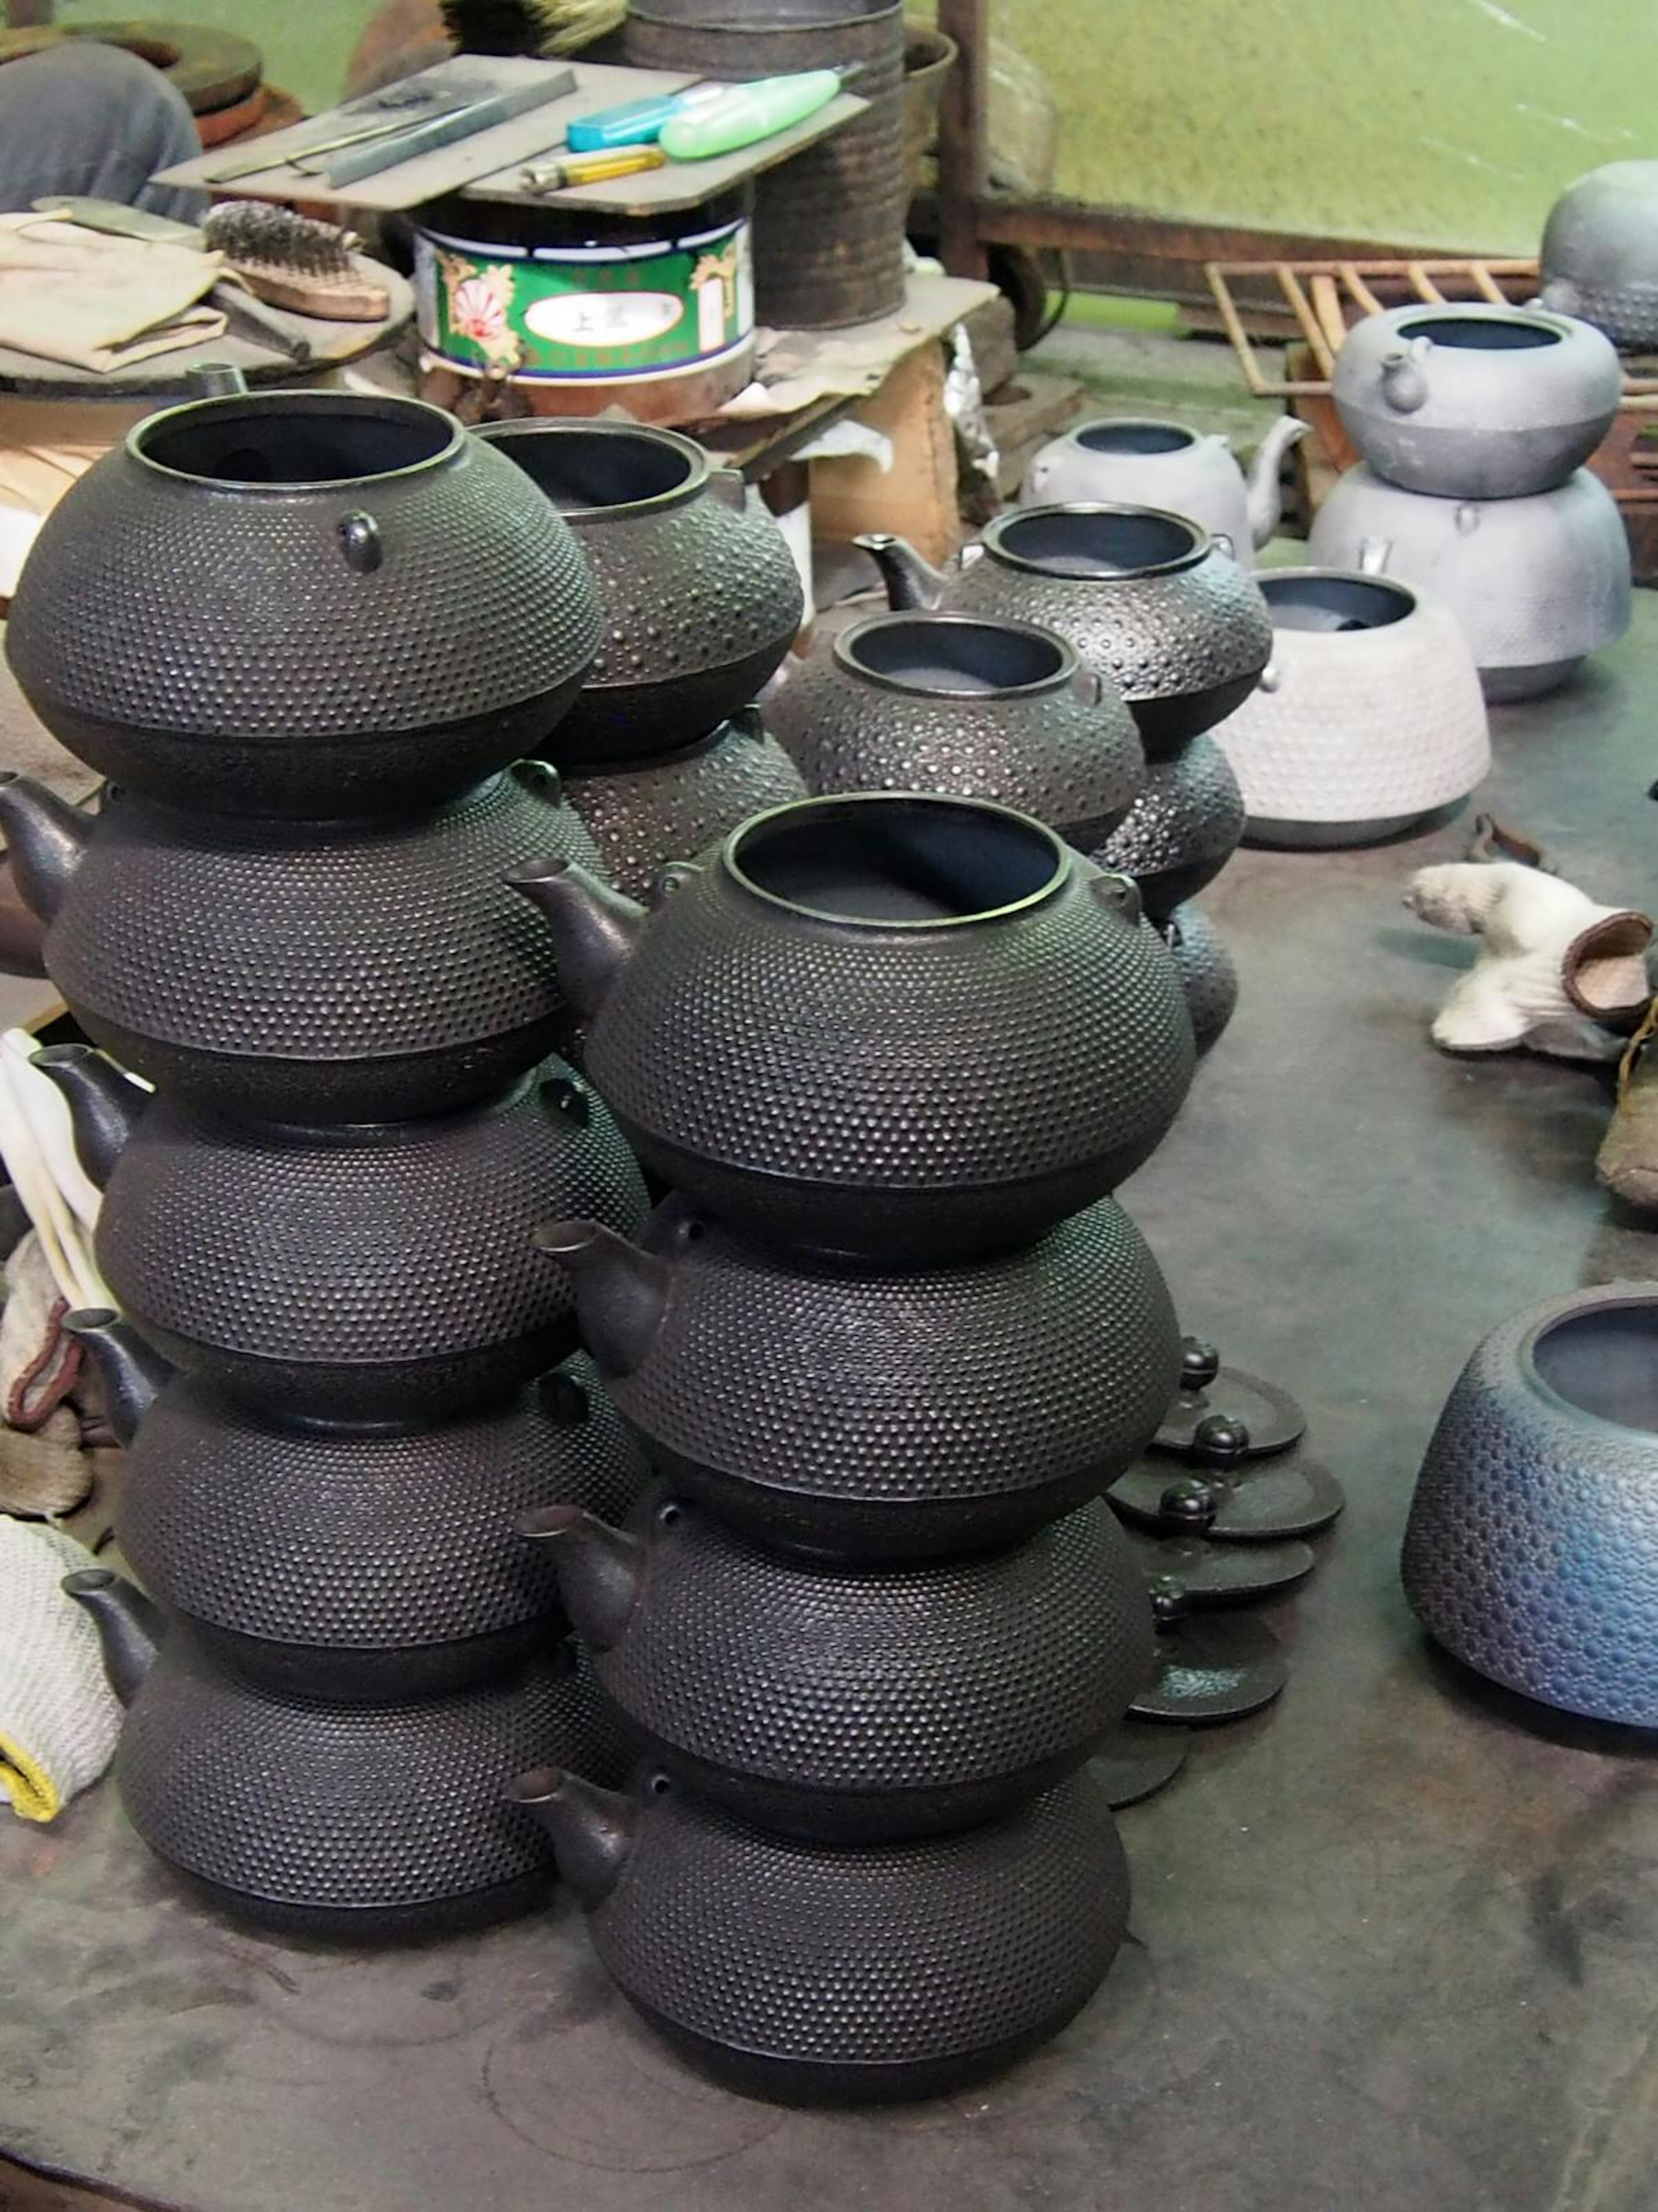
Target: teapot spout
[(593, 927), (130, 1628), (104, 1105), (593, 1830), (46, 837), (621, 1292), (132, 1374), (1265, 496), (912, 582), (601, 1570)]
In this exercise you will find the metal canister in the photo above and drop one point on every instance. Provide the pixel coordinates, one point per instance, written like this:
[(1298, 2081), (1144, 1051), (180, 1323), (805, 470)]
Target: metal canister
[(828, 222)]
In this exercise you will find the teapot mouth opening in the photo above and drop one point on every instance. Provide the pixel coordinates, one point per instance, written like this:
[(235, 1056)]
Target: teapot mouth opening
[(1503, 330), (1334, 602), (1602, 1361), (1098, 543), (592, 470), (538, 1785), (897, 859), (1134, 435), (295, 440), (945, 656)]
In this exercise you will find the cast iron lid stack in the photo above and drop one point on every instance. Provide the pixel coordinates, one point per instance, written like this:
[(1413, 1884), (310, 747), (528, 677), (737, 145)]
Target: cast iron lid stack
[(291, 916), (886, 1342)]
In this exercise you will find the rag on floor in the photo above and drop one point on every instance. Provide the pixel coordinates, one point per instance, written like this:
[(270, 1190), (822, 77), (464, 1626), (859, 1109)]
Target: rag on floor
[(43, 1468), (98, 302), (58, 1716)]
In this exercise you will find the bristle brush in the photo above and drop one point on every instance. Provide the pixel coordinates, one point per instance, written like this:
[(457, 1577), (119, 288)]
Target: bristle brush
[(292, 261)]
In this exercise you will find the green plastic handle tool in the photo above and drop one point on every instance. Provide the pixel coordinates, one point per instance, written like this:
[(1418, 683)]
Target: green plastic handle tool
[(747, 113)]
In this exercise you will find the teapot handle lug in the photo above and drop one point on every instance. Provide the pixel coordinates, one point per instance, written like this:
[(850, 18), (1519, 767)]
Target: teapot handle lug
[(360, 543)]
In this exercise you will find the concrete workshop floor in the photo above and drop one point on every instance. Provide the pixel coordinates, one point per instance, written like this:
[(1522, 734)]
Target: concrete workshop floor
[(1392, 1944)]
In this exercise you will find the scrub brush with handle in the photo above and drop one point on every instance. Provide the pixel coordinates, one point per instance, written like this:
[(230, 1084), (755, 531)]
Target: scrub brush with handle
[(291, 261), (530, 26)]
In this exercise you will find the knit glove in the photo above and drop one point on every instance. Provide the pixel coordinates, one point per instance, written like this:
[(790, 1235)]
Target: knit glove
[(58, 1716)]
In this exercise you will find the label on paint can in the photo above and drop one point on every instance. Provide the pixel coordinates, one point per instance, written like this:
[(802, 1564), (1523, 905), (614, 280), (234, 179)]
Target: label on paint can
[(547, 312)]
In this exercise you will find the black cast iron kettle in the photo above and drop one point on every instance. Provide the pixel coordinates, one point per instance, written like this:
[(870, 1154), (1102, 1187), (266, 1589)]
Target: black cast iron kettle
[(856, 1706), (814, 1973)]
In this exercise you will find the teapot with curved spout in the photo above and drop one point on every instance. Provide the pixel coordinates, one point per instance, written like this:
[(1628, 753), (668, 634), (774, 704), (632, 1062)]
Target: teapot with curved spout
[(592, 1830), (979, 1682), (46, 839), (1169, 465), (131, 1629), (1404, 376), (105, 1106), (913, 585), (133, 1374)]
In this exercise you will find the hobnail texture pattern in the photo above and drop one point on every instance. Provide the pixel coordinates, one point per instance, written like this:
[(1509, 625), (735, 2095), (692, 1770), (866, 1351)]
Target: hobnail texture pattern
[(781, 1068), (1374, 727), (237, 619), (1598, 257), (1183, 829), (1206, 972), (1532, 1547), (928, 1409), (367, 1250), (897, 1682), (641, 814), (258, 968), (336, 1808), (1076, 766), (1154, 636), (883, 1956), (341, 1536)]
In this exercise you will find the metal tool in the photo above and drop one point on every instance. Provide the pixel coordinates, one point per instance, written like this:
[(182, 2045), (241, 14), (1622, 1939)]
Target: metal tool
[(385, 127), (591, 169), (429, 136)]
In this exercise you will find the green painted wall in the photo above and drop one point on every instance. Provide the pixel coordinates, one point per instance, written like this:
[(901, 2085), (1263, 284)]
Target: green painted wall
[(1448, 122)]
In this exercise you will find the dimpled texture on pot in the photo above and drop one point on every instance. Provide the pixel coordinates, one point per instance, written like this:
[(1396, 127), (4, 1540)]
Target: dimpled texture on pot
[(341, 973), (895, 1683), (1532, 1548), (642, 813), (1183, 829), (346, 1536), (901, 1956), (1600, 255), (1153, 636), (346, 1809), (235, 619), (1531, 581), (867, 1089), (1207, 974), (924, 1410), (1074, 766), (247, 1253)]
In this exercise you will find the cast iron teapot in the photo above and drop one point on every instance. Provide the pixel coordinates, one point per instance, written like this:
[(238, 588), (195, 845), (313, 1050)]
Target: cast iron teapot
[(377, 1271), (1000, 710), (351, 1565), (851, 1706), (354, 1823), (879, 1415), (322, 972), (304, 604), (892, 1026), (1182, 831), (700, 593), (817, 1973), (1148, 599)]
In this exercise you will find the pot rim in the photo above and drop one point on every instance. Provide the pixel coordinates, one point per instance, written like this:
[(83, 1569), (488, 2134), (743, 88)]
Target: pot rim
[(995, 536), (1265, 578), (1599, 1298), (831, 15), (1192, 437), (1560, 328), (848, 801), (386, 406), (696, 477), (1069, 660)]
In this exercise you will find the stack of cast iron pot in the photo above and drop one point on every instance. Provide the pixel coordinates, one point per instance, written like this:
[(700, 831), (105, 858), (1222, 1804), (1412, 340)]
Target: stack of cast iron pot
[(266, 620), (885, 1343), (1171, 624), (699, 601)]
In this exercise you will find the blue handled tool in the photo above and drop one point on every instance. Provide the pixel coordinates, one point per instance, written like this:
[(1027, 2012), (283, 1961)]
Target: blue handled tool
[(636, 122)]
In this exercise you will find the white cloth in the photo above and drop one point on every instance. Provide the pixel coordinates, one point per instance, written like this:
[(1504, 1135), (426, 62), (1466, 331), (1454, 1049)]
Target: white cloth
[(60, 1718)]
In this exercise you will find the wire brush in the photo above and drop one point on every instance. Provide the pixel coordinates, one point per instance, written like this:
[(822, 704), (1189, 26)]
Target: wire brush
[(530, 26)]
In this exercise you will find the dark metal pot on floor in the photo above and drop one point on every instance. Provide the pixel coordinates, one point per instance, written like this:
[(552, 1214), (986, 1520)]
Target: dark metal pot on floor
[(812, 1973), (856, 1706), (870, 1414), (281, 606), (829, 221), (379, 1272), (1206, 970), (700, 595), (343, 971), (995, 1025), (985, 709), (347, 1823), (1182, 830), (354, 1565)]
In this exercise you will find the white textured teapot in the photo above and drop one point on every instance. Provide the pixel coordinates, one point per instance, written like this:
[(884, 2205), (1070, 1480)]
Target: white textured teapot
[(1133, 461)]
